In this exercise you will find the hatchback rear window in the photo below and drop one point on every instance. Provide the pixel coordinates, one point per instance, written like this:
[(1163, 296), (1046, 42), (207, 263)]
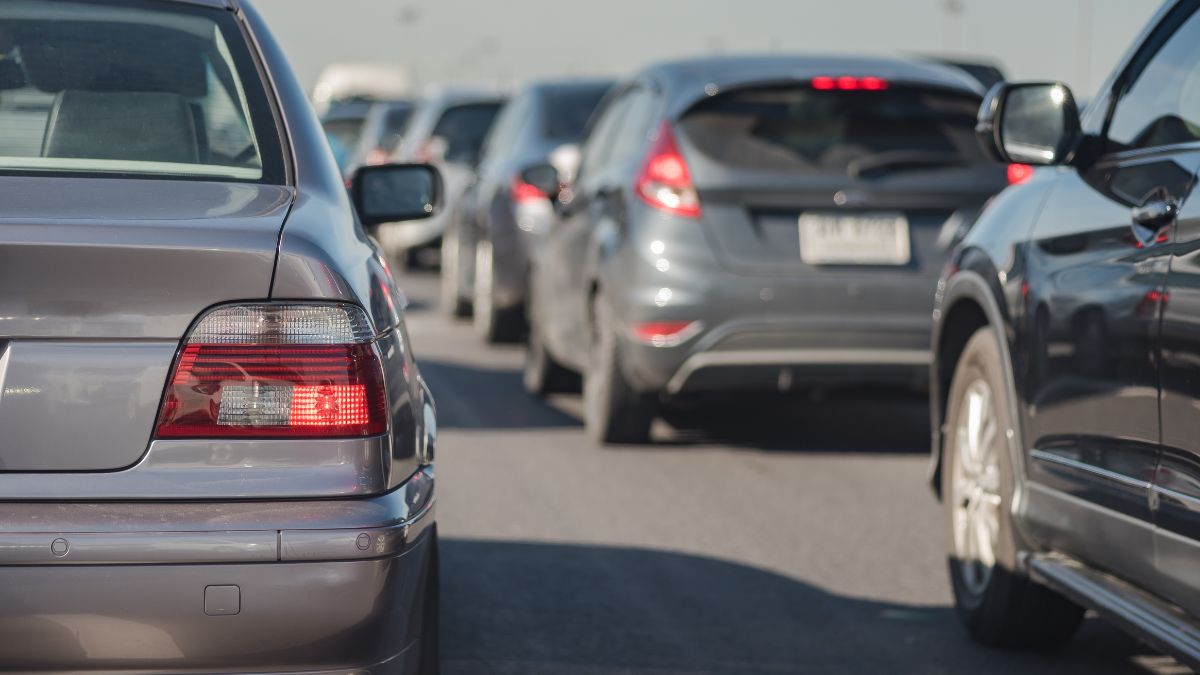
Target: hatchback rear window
[(565, 112), (800, 129), (131, 87), (464, 127)]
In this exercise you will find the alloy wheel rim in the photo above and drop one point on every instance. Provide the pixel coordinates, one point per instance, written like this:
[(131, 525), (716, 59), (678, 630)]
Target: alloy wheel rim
[(975, 487)]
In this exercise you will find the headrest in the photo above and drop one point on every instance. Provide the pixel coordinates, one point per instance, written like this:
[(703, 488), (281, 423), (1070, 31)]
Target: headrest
[(136, 126)]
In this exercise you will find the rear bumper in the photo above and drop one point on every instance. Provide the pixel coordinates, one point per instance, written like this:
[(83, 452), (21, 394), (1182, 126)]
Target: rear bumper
[(784, 369), (752, 354), (335, 586)]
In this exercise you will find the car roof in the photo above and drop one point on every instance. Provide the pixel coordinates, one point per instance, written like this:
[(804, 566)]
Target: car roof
[(686, 81)]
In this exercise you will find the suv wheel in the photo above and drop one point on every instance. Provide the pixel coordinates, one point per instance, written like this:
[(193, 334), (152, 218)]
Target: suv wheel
[(494, 324), (999, 605), (613, 411), (453, 298)]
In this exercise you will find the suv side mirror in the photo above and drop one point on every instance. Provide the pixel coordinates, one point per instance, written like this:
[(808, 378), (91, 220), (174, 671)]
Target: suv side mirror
[(545, 178), (392, 192), (1029, 123)]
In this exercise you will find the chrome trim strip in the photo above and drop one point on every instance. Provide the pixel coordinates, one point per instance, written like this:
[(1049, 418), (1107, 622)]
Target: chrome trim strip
[(225, 469), (797, 357), (1176, 495), (1090, 468)]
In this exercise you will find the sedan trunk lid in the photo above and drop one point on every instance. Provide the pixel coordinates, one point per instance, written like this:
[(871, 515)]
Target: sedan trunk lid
[(101, 279)]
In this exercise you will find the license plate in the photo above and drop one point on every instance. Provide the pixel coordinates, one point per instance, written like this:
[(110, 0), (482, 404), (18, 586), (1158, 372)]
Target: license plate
[(862, 239)]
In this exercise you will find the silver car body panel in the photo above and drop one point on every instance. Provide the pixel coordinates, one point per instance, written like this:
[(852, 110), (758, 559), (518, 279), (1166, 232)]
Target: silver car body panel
[(193, 556)]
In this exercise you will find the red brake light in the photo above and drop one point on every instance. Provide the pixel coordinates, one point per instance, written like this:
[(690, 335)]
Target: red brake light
[(523, 192), (664, 333), (277, 371), (848, 83), (665, 182), (1019, 173)]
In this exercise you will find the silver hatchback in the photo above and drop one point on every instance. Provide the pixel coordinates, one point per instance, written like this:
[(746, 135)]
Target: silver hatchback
[(215, 446)]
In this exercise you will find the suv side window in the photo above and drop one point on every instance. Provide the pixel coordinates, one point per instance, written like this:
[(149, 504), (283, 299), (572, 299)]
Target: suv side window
[(1162, 106)]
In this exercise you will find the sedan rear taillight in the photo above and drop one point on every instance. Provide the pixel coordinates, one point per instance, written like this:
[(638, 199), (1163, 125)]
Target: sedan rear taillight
[(281, 371)]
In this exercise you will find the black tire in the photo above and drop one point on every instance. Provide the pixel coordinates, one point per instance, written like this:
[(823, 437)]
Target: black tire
[(542, 374), (493, 324), (454, 302), (614, 412), (430, 657), (999, 605)]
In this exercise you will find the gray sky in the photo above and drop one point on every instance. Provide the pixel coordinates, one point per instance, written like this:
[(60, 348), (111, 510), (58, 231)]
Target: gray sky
[(504, 40)]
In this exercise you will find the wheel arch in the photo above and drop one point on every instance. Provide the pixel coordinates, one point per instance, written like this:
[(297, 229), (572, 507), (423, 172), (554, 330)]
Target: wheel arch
[(968, 304)]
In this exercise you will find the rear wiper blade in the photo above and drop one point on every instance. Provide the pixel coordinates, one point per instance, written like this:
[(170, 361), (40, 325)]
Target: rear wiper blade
[(901, 160)]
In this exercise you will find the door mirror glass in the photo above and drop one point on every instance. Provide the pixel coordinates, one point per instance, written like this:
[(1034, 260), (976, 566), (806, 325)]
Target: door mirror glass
[(544, 177), (392, 192), (1031, 123)]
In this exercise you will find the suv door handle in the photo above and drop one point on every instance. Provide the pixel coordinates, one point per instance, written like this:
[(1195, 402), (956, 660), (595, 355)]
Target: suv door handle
[(1155, 212)]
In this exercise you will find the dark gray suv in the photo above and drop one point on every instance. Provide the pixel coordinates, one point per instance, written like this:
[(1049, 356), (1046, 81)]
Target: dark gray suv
[(215, 446), (755, 223)]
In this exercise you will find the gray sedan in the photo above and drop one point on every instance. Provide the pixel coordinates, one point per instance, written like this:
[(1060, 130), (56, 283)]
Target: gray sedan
[(217, 449)]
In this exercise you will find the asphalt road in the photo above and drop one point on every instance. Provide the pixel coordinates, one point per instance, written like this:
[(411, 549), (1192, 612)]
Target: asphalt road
[(761, 536)]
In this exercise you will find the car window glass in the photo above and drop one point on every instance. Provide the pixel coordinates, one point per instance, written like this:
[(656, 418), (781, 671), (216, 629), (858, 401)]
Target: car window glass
[(636, 126), (175, 93), (463, 128), (798, 129), (1162, 107), (565, 112), (598, 147), (507, 127)]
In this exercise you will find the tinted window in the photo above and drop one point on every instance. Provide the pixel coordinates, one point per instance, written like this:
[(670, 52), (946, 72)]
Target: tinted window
[(131, 87), (463, 128), (798, 129), (1163, 105), (565, 112)]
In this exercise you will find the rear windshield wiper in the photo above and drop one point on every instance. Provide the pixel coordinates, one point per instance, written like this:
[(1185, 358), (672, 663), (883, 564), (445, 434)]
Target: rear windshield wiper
[(901, 160)]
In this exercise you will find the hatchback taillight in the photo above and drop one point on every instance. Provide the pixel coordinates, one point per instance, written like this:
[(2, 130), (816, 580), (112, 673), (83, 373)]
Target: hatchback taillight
[(525, 193), (665, 182), (282, 371)]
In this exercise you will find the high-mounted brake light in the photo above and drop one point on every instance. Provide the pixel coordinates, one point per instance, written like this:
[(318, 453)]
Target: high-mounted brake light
[(282, 371), (848, 83), (1019, 173), (665, 182), (523, 193)]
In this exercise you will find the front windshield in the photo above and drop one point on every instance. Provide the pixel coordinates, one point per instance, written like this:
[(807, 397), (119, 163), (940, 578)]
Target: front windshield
[(131, 87)]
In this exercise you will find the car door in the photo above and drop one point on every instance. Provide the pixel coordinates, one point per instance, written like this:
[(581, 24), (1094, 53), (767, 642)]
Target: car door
[(1097, 269), (558, 270), (1176, 493)]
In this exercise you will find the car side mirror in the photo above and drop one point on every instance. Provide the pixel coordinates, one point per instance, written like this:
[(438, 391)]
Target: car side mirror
[(1029, 123), (392, 192), (545, 178)]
